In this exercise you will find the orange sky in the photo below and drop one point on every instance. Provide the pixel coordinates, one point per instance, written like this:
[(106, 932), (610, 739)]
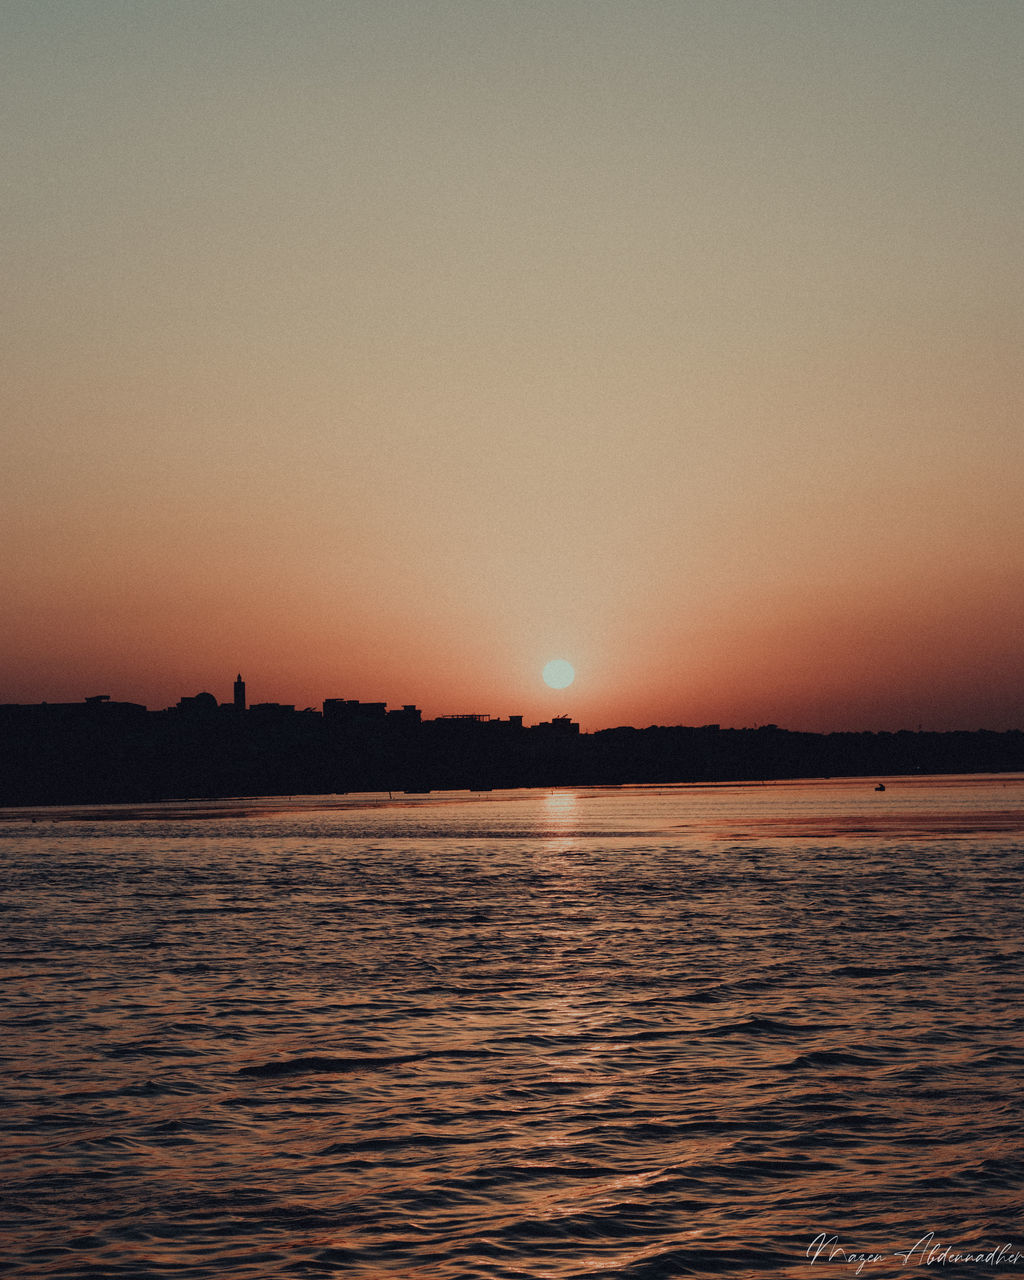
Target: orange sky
[(388, 350)]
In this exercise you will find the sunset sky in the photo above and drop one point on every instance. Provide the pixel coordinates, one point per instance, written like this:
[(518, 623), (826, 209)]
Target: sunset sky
[(389, 349)]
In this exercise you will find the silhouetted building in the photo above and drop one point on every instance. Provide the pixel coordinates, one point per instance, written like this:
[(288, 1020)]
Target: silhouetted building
[(202, 704), (559, 727), (345, 710), (95, 710), (408, 716), (512, 724), (239, 693)]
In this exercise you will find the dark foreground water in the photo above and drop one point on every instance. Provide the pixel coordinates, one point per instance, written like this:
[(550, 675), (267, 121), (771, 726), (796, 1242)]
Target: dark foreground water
[(639, 1032)]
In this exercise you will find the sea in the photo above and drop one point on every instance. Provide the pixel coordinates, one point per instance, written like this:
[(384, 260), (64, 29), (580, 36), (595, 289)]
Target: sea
[(638, 1032)]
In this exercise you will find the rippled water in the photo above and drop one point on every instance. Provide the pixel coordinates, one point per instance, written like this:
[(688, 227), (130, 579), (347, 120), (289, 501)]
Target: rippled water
[(637, 1032)]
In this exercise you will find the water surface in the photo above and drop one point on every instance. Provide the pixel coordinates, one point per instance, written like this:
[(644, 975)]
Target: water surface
[(626, 1032)]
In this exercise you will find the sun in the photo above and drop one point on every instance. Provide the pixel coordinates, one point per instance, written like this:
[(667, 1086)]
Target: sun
[(558, 674)]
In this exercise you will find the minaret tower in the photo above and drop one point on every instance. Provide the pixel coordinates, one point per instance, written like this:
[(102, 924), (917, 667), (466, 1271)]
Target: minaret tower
[(239, 693)]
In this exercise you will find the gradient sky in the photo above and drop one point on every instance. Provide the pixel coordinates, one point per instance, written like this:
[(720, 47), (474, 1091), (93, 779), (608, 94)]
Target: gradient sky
[(386, 349)]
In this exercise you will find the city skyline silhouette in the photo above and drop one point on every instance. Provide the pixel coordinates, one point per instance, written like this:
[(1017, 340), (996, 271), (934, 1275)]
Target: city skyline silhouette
[(101, 750)]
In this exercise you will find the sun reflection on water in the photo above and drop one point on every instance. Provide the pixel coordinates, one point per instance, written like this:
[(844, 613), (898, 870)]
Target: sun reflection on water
[(561, 811)]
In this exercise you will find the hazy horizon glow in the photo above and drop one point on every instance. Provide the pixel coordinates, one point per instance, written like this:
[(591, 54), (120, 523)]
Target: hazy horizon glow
[(384, 349)]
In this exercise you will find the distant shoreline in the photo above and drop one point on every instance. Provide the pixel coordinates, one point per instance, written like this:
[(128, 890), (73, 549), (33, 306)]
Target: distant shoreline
[(886, 820)]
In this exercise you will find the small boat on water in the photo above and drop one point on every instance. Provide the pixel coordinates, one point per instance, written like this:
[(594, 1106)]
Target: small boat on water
[(880, 787)]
